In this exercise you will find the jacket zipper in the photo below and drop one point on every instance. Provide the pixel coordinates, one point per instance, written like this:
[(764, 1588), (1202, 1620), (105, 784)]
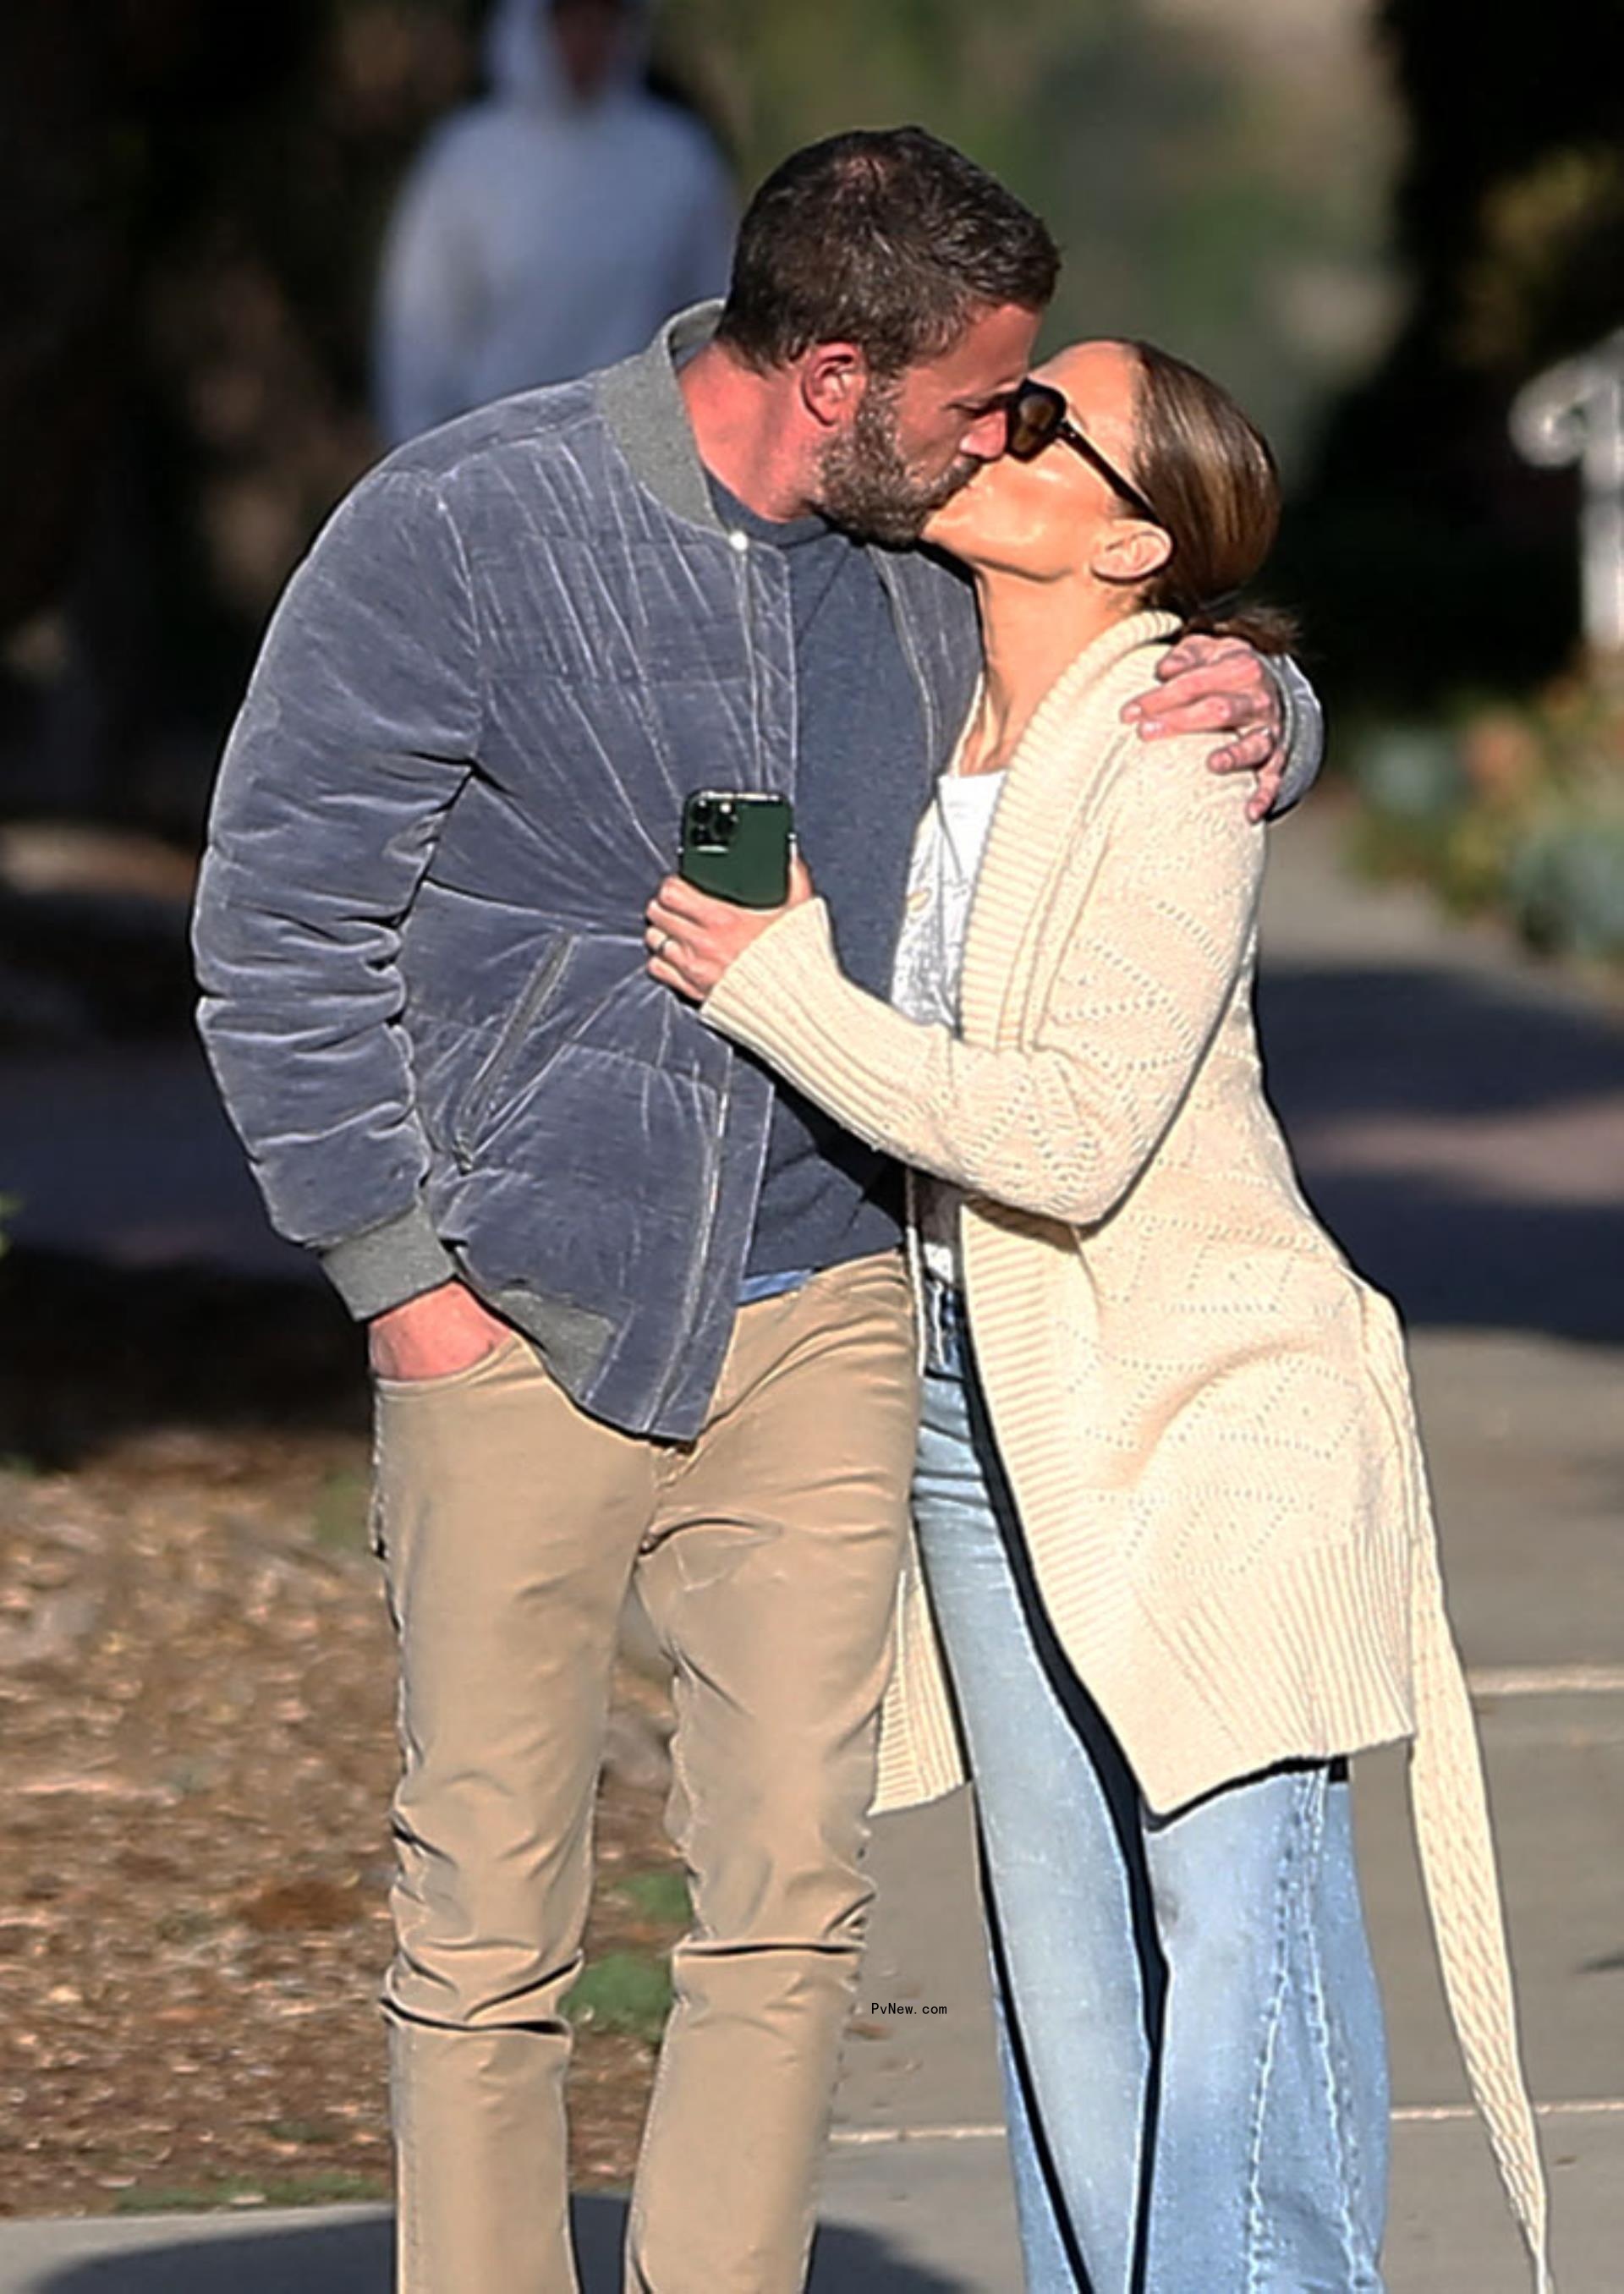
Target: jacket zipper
[(477, 1100), (699, 1257)]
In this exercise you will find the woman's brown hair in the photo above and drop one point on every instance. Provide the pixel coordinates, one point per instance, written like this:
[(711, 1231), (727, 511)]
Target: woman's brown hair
[(1211, 477)]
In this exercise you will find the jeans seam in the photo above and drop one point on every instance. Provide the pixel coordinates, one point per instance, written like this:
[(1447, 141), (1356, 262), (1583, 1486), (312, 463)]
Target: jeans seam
[(1257, 2236), (1345, 2129)]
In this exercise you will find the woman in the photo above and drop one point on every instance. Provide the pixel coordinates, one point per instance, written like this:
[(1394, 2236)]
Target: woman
[(1170, 1499)]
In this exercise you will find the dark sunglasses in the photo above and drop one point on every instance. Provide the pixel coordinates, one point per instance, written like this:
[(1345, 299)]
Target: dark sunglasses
[(1035, 416)]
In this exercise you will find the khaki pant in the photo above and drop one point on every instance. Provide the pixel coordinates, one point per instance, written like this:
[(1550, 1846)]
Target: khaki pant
[(766, 1554)]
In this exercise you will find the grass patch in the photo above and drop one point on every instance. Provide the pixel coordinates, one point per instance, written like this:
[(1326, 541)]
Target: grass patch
[(339, 1518), (623, 1992), (301, 2130), (661, 1896), (334, 2186)]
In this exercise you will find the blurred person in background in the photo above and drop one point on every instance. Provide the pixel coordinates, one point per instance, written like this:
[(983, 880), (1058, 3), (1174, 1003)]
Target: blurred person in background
[(550, 229), (634, 1313)]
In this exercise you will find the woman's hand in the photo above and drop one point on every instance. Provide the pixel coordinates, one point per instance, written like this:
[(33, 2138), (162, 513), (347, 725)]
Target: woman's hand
[(693, 938)]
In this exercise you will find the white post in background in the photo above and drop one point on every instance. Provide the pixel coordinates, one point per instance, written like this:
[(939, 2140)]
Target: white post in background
[(1574, 413)]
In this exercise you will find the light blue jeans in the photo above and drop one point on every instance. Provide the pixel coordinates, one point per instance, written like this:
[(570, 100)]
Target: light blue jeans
[(1194, 2060)]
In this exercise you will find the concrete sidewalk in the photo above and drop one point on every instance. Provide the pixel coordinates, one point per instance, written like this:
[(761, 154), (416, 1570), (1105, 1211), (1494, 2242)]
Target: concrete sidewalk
[(1460, 1121)]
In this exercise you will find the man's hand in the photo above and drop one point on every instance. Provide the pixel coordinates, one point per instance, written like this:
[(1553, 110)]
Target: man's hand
[(1219, 685), (433, 1336), (692, 937)]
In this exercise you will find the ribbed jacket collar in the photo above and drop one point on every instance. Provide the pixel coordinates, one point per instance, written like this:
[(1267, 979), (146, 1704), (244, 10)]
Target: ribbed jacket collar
[(644, 409)]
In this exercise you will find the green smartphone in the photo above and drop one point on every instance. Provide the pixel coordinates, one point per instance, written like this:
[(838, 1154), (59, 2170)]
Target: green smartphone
[(736, 844)]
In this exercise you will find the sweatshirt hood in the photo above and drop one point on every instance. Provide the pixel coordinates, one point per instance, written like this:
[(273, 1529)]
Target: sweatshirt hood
[(521, 58)]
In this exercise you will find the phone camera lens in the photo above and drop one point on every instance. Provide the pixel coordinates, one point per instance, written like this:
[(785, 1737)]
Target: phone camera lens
[(715, 824)]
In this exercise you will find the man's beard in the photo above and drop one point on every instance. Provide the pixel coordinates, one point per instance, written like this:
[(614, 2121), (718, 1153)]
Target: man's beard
[(867, 488)]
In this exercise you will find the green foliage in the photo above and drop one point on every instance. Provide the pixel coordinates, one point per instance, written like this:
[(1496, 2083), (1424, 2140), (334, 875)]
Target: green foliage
[(195, 195), (1428, 557), (198, 195), (661, 1897), (625, 1992), (1514, 809), (1543, 275), (332, 2186), (254, 159), (630, 1991), (1565, 884), (1188, 173), (1412, 775), (311, 2131), (339, 1518), (1495, 99)]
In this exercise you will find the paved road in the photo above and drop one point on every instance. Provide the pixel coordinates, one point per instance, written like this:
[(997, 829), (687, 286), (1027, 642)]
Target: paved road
[(1460, 1120)]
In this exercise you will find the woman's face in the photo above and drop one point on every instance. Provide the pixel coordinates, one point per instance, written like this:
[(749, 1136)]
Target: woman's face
[(1050, 517)]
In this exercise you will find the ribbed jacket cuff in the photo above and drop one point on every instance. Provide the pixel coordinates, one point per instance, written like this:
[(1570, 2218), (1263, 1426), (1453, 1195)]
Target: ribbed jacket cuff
[(1302, 732), (388, 1264)]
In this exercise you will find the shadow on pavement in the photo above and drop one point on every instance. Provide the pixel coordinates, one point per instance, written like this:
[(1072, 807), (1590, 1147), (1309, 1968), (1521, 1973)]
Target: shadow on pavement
[(1474, 1101), (1468, 1097), (355, 2258), (1417, 1039)]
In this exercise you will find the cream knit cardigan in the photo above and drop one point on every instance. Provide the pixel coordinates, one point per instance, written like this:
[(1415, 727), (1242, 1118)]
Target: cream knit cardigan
[(1204, 1413)]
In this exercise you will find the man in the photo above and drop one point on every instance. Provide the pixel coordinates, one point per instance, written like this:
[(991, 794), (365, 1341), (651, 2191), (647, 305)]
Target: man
[(631, 1308), (549, 228)]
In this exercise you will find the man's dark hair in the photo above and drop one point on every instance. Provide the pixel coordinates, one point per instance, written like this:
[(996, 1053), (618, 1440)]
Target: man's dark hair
[(882, 237)]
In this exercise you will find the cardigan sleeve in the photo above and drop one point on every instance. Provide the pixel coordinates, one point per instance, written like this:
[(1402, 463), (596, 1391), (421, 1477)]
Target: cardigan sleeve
[(1062, 1124)]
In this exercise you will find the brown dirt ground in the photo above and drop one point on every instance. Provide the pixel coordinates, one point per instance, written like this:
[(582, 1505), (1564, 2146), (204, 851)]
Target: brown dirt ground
[(196, 1703)]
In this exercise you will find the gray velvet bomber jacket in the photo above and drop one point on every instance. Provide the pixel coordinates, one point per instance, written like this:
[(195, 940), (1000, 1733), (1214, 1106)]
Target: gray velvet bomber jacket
[(455, 780)]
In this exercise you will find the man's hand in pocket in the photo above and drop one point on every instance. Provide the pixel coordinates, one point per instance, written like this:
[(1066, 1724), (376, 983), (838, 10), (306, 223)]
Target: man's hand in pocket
[(433, 1336)]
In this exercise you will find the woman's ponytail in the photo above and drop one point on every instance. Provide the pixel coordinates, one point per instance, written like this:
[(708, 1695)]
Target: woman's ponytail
[(1266, 629), (1212, 479)]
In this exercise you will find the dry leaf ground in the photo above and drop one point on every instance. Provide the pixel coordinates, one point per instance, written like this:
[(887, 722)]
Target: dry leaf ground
[(197, 1709)]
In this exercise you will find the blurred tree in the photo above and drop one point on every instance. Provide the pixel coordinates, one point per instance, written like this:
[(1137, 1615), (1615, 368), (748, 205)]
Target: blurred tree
[(192, 198), (189, 203), (63, 244), (1215, 177), (1432, 559)]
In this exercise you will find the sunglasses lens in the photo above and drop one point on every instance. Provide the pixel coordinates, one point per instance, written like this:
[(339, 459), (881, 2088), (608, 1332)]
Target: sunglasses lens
[(1032, 423)]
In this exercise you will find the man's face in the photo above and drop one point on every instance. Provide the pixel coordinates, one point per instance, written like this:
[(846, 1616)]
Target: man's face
[(589, 36), (915, 439)]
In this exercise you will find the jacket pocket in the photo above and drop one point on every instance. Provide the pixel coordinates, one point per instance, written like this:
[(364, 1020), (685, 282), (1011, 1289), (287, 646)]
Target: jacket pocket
[(493, 1070), (595, 1183)]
